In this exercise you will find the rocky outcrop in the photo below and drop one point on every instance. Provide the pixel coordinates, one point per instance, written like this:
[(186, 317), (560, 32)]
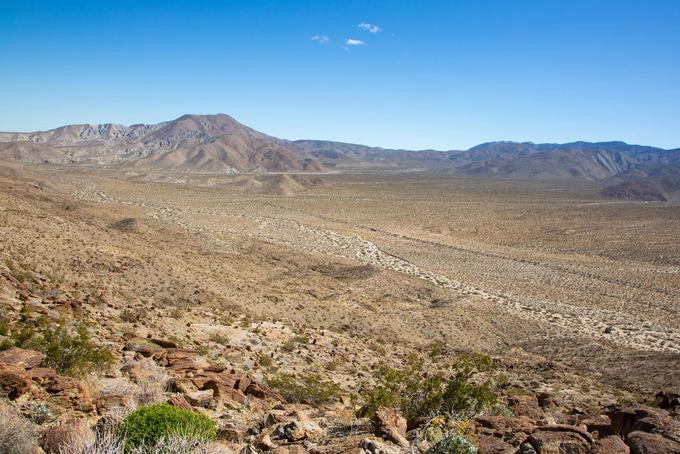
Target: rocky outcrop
[(14, 381), (19, 357), (391, 425)]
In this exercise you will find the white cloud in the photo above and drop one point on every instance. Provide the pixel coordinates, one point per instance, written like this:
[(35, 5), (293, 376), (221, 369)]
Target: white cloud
[(321, 39), (370, 27), (355, 42)]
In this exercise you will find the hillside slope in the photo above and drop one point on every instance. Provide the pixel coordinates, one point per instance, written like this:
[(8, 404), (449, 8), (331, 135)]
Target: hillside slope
[(191, 143)]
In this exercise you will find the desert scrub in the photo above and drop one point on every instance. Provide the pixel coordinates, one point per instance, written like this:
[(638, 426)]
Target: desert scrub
[(309, 388), (291, 344), (453, 444), (148, 426), (67, 345), (17, 435), (419, 393), (220, 339)]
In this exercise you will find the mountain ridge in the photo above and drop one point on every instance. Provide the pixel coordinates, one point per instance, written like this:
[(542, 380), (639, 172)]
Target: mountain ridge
[(220, 144)]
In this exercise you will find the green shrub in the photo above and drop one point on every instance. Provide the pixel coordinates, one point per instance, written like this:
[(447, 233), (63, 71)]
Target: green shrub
[(453, 444), (219, 339), (309, 388), (67, 346), (420, 393), (264, 361), (149, 425)]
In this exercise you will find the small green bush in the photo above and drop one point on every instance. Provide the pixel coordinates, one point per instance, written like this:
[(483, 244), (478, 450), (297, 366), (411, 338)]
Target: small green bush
[(453, 444), (147, 426), (67, 346), (219, 339), (309, 388), (418, 392)]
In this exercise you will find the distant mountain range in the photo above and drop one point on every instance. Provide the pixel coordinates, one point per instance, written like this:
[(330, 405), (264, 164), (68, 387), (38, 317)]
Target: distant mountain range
[(220, 144)]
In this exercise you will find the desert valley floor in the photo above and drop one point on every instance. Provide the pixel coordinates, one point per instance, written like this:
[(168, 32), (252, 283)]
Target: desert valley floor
[(407, 258)]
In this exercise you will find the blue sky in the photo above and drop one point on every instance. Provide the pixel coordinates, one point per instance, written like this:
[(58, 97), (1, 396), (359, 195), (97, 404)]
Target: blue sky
[(433, 74)]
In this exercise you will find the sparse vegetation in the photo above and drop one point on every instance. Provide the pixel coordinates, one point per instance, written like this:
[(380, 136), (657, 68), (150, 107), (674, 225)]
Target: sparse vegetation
[(17, 435), (148, 426), (453, 444), (264, 361), (219, 339), (420, 392), (308, 387), (67, 345)]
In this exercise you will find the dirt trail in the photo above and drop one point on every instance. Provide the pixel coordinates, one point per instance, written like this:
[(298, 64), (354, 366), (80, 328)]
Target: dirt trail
[(621, 328)]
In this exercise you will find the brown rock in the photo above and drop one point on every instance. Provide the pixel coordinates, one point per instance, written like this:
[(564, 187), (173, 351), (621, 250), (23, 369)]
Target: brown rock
[(73, 434), (488, 444), (558, 442), (513, 430), (180, 402), (26, 359), (668, 400), (525, 406), (645, 419), (391, 425), (292, 449), (229, 431), (265, 442), (567, 428), (610, 445), (369, 446), (299, 430), (273, 417), (164, 343), (261, 392), (41, 375), (200, 398), (600, 424), (69, 392), (242, 383), (14, 381), (648, 443)]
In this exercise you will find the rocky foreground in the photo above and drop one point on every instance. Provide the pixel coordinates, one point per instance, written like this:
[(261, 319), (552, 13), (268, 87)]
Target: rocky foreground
[(106, 309), (253, 418)]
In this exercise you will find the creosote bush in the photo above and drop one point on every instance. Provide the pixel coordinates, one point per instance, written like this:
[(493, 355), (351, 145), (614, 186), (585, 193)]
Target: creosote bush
[(309, 388), (148, 426), (418, 393), (67, 345)]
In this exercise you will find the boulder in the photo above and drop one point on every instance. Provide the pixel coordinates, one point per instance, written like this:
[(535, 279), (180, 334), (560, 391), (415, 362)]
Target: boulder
[(512, 430), (645, 419), (69, 392), (74, 435), (14, 381), (262, 392), (600, 424), (610, 445), (164, 343), (369, 446), (299, 430), (273, 417), (649, 443), (555, 441), (488, 444), (525, 406), (391, 425), (265, 442), (668, 400), (26, 359), (200, 398)]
